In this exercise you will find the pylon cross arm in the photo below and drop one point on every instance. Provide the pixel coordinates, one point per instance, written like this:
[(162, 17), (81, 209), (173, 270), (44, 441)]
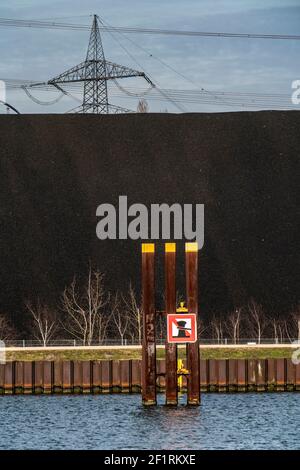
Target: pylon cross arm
[(119, 71), (74, 74)]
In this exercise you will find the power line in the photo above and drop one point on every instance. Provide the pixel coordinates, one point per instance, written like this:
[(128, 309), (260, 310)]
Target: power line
[(9, 106), (180, 108), (17, 83), (14, 23), (251, 100), (37, 101), (162, 62)]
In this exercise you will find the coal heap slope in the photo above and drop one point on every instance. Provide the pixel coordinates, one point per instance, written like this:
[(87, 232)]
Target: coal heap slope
[(56, 170)]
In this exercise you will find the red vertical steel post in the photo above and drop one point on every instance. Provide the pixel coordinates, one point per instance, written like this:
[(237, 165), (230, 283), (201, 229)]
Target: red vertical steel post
[(149, 346), (170, 305), (193, 357)]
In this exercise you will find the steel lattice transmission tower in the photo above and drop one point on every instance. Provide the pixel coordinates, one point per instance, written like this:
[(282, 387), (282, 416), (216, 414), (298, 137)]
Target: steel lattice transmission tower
[(94, 72)]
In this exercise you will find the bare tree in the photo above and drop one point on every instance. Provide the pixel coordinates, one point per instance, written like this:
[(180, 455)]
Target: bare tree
[(216, 327), (257, 320), (142, 107), (84, 307), (103, 322), (233, 323), (120, 317), (201, 328), (291, 325), (295, 318), (44, 321), (7, 331), (288, 329), (298, 329), (280, 331), (275, 324), (132, 309)]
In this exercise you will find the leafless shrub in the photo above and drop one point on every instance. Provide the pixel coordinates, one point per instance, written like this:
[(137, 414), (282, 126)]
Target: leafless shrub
[(44, 321), (201, 328), (133, 311), (120, 317), (233, 325), (277, 329), (216, 328), (291, 325), (7, 331), (85, 316), (143, 106), (256, 320)]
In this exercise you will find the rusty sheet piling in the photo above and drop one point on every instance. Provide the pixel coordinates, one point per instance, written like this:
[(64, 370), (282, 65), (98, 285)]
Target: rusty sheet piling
[(170, 304), (124, 376), (148, 307), (193, 355)]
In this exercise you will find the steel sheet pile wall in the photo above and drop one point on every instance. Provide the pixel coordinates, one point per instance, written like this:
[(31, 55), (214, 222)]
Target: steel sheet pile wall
[(124, 376)]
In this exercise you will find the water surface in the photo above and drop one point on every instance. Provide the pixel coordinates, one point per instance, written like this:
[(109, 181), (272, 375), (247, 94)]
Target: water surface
[(224, 421)]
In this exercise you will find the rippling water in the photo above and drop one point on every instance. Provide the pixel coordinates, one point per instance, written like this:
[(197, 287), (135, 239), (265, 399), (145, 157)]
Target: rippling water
[(224, 421)]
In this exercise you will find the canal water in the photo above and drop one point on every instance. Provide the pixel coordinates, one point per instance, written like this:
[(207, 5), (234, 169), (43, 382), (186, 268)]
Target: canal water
[(224, 421)]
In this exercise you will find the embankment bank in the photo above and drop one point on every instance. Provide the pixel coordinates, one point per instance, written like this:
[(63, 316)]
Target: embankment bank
[(90, 353)]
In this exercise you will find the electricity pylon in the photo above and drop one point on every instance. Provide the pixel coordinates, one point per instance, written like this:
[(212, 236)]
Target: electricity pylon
[(94, 72)]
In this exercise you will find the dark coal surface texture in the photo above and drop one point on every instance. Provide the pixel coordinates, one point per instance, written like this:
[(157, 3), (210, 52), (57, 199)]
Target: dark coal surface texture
[(56, 170)]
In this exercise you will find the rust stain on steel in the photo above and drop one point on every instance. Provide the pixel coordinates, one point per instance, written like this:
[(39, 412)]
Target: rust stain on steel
[(67, 376), (116, 376), (9, 377), (86, 376), (77, 368), (106, 376), (19, 377), (160, 374), (232, 374), (170, 306), (193, 356), (125, 375), (58, 376), (222, 375), (28, 377), (290, 375), (149, 347), (297, 377), (135, 375), (2, 377), (48, 374), (38, 376), (242, 374), (280, 374), (261, 375), (251, 382), (271, 374), (204, 374), (96, 376), (213, 374)]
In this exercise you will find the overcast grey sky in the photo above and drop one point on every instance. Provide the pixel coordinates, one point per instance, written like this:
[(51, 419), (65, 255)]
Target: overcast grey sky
[(217, 64)]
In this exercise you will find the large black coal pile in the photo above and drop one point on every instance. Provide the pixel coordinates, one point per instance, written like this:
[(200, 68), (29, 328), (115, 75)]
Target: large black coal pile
[(55, 171)]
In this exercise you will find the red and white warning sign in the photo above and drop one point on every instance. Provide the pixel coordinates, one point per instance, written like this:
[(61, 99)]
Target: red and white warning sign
[(182, 328)]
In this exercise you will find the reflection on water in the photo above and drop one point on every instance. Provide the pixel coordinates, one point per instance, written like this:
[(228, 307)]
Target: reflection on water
[(224, 421)]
